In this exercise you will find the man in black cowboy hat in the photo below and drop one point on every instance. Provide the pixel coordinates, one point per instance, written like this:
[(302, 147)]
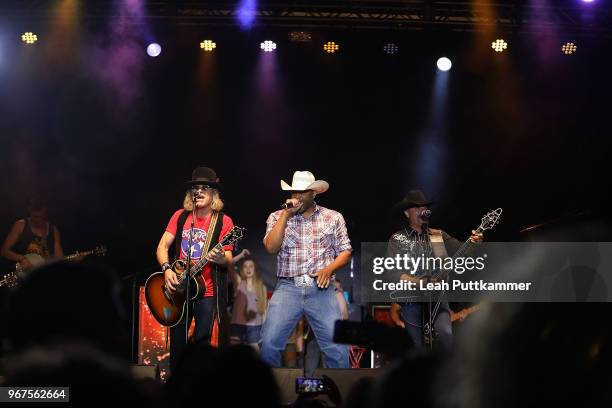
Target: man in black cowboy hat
[(417, 239), (202, 191)]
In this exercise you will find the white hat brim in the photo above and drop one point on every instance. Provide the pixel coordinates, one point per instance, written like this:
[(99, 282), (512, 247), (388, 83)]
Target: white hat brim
[(318, 186)]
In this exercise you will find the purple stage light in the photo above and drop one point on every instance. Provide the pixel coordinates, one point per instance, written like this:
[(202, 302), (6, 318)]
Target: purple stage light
[(245, 13)]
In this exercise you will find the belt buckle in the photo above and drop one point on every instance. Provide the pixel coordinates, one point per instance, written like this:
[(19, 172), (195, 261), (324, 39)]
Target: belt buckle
[(303, 281)]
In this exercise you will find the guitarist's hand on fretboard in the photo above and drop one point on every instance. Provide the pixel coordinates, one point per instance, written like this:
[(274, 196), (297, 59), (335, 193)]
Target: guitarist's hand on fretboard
[(217, 255), (476, 237)]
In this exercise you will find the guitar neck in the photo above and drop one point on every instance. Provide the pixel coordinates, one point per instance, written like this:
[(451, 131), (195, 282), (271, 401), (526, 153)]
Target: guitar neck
[(466, 245), (198, 267), (77, 254)]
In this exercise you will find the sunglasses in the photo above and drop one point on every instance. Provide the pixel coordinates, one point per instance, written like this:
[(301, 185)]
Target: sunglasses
[(201, 188)]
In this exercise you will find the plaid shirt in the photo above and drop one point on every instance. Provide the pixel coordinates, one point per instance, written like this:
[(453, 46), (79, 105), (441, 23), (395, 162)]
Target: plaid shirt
[(310, 244)]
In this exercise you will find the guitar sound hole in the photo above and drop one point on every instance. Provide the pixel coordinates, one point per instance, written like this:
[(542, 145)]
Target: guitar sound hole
[(167, 294)]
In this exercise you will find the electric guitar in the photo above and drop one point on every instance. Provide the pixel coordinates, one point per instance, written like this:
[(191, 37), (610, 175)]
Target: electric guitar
[(11, 279), (168, 307), (487, 222)]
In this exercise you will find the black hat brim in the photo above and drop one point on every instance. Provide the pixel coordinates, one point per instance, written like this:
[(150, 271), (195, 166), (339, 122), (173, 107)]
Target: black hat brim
[(404, 205), (213, 184)]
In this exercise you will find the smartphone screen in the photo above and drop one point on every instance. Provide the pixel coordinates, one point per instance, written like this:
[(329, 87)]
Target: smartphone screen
[(304, 385)]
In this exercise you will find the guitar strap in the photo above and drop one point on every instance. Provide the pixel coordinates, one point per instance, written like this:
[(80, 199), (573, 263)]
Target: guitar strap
[(437, 243), (212, 227), (219, 283), (439, 251)]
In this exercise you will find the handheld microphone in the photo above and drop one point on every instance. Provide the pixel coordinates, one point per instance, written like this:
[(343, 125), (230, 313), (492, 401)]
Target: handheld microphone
[(425, 214), (286, 205)]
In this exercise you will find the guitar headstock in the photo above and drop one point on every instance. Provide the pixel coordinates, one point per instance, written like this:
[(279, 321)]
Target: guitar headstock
[(490, 220), (9, 280), (235, 235), (100, 250)]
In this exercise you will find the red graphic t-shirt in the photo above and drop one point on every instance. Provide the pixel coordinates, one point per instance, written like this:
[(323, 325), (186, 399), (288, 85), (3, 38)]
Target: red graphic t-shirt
[(200, 231)]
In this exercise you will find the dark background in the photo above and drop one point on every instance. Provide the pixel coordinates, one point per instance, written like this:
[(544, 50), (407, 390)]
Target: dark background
[(109, 134)]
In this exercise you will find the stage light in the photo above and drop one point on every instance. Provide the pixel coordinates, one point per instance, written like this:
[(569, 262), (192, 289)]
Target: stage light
[(208, 45), (499, 45), (29, 38), (268, 46), (444, 64), (154, 49), (246, 12), (300, 36), (331, 47), (569, 48), (390, 48)]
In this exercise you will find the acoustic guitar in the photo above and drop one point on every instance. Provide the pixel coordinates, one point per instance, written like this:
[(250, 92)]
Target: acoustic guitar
[(168, 307)]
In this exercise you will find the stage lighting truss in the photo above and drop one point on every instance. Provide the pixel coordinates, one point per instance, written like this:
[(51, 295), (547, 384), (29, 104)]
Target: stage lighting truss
[(569, 48), (268, 46), (499, 45), (331, 47), (29, 38), (390, 48), (300, 36), (208, 45)]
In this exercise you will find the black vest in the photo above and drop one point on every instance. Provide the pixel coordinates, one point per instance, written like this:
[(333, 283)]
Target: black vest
[(219, 277), (30, 243)]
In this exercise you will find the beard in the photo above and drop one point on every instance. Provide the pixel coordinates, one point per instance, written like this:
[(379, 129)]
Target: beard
[(305, 207)]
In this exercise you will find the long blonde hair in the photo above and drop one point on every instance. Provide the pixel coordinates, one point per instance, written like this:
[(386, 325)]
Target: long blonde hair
[(260, 288), (215, 205)]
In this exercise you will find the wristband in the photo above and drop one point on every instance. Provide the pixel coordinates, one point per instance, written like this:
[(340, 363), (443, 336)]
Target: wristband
[(165, 266)]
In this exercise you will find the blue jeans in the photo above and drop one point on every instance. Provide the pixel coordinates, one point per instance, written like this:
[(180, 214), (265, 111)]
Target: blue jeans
[(287, 305), (412, 314), (203, 310), (246, 333)]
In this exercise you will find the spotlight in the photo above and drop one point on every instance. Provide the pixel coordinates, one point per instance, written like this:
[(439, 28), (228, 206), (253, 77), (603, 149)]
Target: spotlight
[(499, 45), (569, 48), (331, 47), (390, 48), (300, 36), (29, 38), (154, 49), (268, 46), (444, 64), (208, 45)]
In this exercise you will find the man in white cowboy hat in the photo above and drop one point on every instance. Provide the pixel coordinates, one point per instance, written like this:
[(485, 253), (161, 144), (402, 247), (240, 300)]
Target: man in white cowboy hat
[(311, 243)]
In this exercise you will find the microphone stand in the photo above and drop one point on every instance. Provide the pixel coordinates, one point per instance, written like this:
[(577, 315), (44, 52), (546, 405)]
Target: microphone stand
[(188, 268), (429, 313)]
